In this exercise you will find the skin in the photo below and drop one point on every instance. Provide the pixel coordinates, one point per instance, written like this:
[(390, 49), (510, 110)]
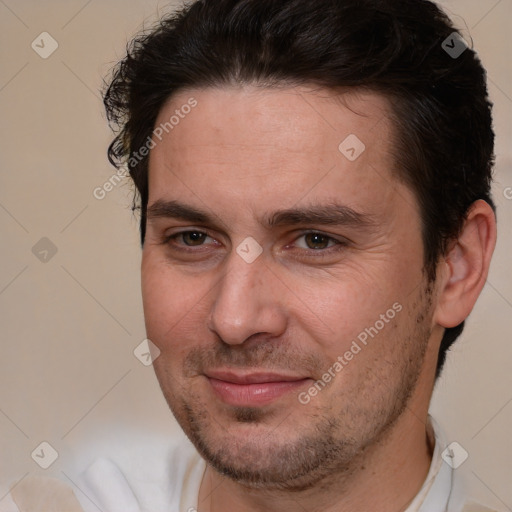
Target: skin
[(241, 155)]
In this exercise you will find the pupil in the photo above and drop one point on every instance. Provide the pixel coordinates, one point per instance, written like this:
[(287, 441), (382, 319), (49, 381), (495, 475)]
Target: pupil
[(317, 240), (194, 237)]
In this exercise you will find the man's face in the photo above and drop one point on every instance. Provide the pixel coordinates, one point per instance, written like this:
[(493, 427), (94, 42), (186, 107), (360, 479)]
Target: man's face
[(305, 255)]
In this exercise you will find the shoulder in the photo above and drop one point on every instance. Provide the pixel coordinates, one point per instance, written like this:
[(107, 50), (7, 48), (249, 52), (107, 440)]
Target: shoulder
[(452, 487), (148, 474), (155, 474)]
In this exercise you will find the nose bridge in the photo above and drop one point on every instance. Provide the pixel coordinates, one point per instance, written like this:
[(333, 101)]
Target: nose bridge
[(244, 303), (240, 277)]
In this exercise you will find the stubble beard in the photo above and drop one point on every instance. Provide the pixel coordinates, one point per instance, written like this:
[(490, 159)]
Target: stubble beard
[(330, 443)]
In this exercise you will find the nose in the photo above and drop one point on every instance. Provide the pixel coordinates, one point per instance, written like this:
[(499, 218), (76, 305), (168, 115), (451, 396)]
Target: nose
[(247, 302)]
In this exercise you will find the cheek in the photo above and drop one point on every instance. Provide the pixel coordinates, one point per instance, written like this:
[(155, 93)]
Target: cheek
[(174, 304), (328, 318), (349, 300), (154, 286), (162, 297), (360, 314)]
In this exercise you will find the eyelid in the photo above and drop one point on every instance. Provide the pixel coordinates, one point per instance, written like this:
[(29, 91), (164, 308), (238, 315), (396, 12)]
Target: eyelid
[(166, 238), (339, 240)]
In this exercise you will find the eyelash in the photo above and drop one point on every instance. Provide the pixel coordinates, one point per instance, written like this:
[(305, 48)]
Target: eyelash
[(338, 244)]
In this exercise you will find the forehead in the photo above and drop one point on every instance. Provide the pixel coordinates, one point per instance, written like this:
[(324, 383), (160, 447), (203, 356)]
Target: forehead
[(272, 143), (280, 116)]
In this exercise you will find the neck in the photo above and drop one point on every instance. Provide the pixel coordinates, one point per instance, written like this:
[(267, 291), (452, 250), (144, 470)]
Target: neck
[(386, 477)]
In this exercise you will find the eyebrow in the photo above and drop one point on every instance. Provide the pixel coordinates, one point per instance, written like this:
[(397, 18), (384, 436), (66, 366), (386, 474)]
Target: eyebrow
[(177, 210), (328, 214)]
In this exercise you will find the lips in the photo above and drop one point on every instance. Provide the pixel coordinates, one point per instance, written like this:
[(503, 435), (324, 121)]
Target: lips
[(252, 389)]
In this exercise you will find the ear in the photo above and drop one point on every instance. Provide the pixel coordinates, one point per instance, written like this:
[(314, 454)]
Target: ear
[(463, 272)]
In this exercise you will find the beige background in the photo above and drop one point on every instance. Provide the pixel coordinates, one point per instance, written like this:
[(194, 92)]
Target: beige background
[(68, 375)]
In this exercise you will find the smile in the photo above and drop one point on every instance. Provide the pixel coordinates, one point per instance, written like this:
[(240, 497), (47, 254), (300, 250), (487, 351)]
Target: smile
[(253, 389)]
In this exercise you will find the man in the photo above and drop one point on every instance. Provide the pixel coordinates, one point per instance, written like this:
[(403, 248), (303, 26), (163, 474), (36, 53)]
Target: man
[(313, 180)]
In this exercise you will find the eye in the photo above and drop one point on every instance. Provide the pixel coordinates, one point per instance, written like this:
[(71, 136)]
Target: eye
[(188, 238), (193, 238), (317, 241)]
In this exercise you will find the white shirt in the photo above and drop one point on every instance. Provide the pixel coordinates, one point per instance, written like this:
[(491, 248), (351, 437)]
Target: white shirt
[(155, 479)]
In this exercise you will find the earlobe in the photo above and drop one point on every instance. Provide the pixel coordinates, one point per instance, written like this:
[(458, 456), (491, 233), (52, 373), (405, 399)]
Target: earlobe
[(466, 266)]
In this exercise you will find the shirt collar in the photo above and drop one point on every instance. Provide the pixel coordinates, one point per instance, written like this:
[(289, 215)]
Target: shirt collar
[(435, 492)]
